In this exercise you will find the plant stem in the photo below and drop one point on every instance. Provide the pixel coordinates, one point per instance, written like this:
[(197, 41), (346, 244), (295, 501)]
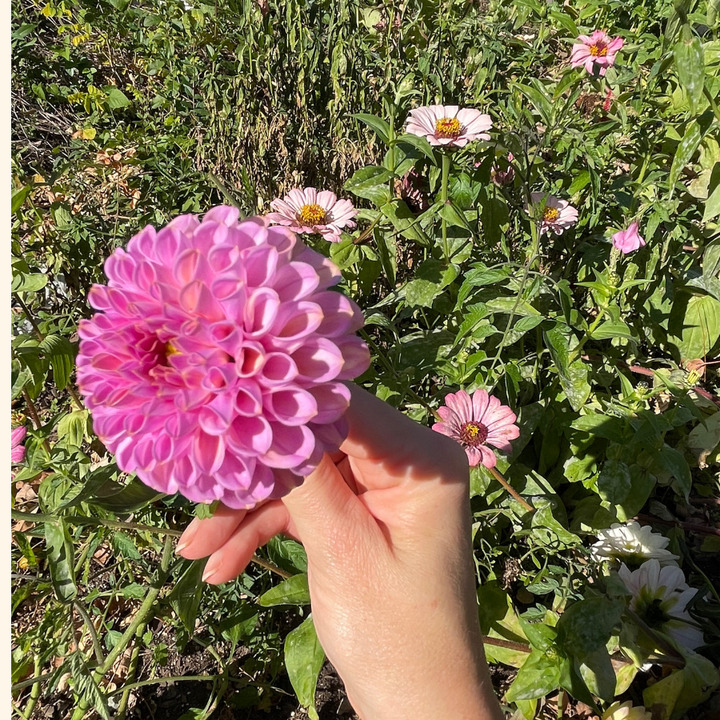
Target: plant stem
[(99, 656), (511, 489), (35, 692), (575, 354), (444, 197), (32, 410)]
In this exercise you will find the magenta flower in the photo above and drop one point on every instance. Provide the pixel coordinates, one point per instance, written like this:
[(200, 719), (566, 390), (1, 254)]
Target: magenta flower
[(213, 366), (557, 215), (17, 451), (448, 125), (628, 240), (597, 49), (310, 211), (476, 422)]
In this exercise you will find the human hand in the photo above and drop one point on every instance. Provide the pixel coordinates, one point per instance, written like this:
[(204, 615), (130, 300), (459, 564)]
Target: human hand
[(386, 525)]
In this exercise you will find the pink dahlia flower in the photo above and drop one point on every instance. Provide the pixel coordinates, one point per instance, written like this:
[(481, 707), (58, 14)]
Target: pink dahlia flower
[(476, 422), (557, 215), (448, 125), (310, 211), (17, 451), (597, 49), (628, 240), (214, 365)]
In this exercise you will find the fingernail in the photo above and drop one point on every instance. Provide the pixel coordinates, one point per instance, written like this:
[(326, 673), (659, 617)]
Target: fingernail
[(187, 537), (209, 573)]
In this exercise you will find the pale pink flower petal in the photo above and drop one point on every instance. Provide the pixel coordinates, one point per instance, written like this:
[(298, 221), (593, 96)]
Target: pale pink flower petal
[(310, 211), (628, 240), (477, 422), (554, 214), (598, 49), (448, 125), (213, 365)]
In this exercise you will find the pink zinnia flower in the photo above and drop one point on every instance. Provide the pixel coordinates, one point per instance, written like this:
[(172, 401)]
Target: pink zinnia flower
[(599, 48), (214, 365), (310, 211), (448, 125), (17, 451), (476, 422), (628, 240), (557, 215)]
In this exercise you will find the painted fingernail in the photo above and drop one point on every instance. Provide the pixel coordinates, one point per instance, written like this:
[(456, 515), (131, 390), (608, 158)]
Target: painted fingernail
[(209, 572)]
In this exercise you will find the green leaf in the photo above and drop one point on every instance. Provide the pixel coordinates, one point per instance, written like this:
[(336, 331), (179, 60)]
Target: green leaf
[(19, 197), (539, 100), (124, 546), (187, 593), (605, 426), (540, 675), (73, 427), (690, 66), (684, 153), (694, 325), (498, 619), (27, 282), (61, 559), (430, 280), (123, 499), (345, 253), (454, 216), (549, 532), (86, 687), (61, 353), (371, 183), (673, 462), (671, 697), (379, 126), (115, 98), (293, 591), (386, 247), (405, 222), (586, 626), (419, 143), (613, 329), (614, 481), (304, 658)]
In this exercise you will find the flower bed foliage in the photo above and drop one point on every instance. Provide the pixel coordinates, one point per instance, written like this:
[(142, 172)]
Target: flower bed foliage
[(537, 219)]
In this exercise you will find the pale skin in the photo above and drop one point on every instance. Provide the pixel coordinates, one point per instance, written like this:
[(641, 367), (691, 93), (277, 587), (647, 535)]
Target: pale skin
[(386, 525)]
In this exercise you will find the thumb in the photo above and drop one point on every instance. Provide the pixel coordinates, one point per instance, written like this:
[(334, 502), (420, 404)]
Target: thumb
[(328, 517)]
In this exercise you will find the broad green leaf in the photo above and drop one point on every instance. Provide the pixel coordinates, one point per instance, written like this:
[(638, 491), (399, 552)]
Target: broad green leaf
[(703, 439), (124, 546), (28, 282), (549, 532), (431, 278), (690, 65), (673, 462), (405, 222), (597, 671), (539, 675), (539, 100), (371, 183), (511, 305), (73, 427), (605, 426), (61, 559), (293, 591), (694, 325), (642, 483), (86, 687), (379, 126), (124, 499), (19, 197), (115, 98), (613, 329), (684, 153), (304, 658), (498, 619), (187, 593), (345, 253), (586, 626), (420, 143), (62, 358), (614, 481), (454, 216)]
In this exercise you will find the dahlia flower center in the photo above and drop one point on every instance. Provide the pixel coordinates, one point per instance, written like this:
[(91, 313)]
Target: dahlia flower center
[(551, 214), (447, 128), (312, 214), (654, 615), (598, 50), (473, 434)]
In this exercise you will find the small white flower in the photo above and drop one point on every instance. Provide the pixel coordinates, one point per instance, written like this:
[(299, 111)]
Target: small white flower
[(660, 597), (626, 711), (632, 544)]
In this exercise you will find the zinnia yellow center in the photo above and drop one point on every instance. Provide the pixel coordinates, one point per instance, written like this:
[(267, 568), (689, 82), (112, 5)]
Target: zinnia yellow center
[(551, 214), (474, 433), (447, 128), (598, 50), (312, 214)]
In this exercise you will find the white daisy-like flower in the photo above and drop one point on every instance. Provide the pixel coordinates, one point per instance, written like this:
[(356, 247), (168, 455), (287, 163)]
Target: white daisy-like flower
[(632, 544), (659, 597), (626, 711)]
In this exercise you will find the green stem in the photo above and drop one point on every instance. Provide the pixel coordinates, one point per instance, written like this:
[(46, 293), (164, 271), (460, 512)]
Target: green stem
[(444, 197), (575, 354), (141, 617), (99, 656), (35, 692)]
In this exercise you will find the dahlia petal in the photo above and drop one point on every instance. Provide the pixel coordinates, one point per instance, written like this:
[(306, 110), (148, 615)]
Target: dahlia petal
[(260, 264), (356, 355), (332, 400), (340, 315), (295, 281), (251, 360), (223, 214), (290, 447), (318, 360), (295, 321), (250, 435), (197, 298), (290, 405), (208, 452), (248, 401), (261, 311), (278, 369)]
